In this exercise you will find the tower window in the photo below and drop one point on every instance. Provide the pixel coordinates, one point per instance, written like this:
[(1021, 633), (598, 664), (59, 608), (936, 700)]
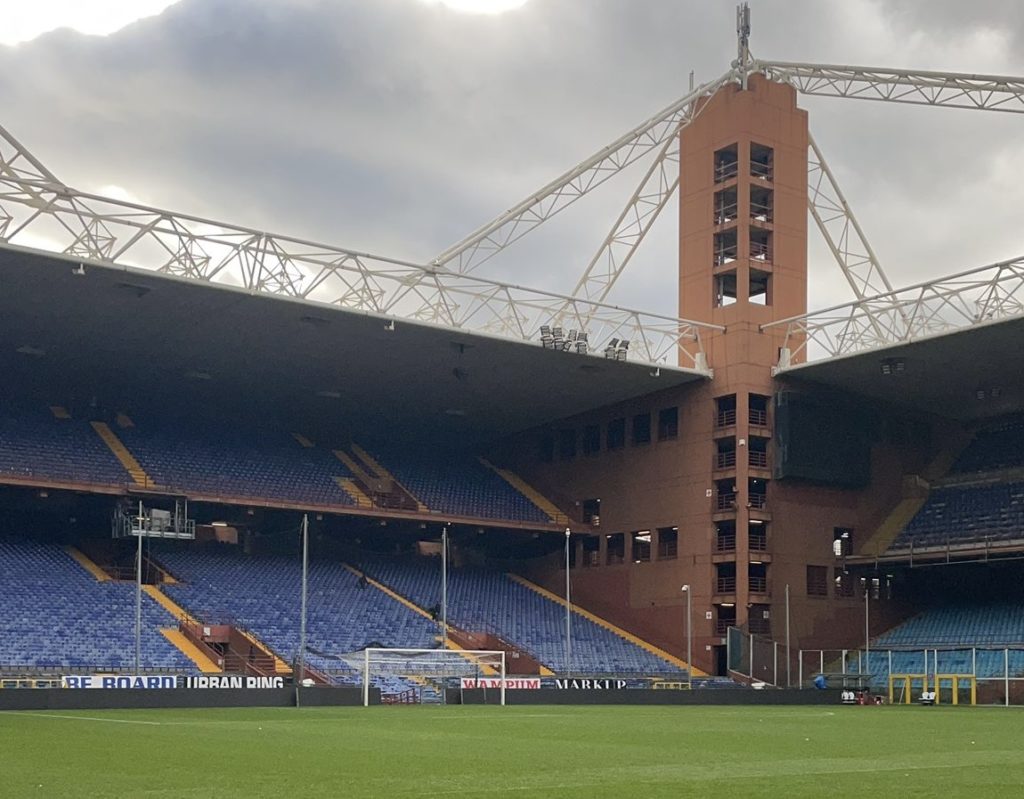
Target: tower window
[(725, 453), (759, 291), (725, 289), (762, 205), (727, 163), (726, 244), (616, 548), (668, 543), (725, 411), (668, 424), (642, 429), (762, 162), (760, 245), (726, 206), (566, 444), (616, 434)]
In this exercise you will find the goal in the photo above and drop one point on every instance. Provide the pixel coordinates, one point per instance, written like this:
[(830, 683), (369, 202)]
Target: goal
[(413, 676)]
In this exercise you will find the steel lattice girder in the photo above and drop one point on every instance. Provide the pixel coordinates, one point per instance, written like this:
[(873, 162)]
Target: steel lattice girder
[(840, 228), (985, 294), (37, 212), (641, 212), (495, 236), (916, 87)]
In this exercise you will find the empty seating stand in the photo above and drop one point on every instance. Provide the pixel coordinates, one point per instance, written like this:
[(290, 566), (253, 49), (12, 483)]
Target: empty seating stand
[(262, 594), (457, 484), (962, 514), (36, 445), (57, 616), (959, 639), (998, 447), (488, 601), (991, 509), (231, 460), (234, 461)]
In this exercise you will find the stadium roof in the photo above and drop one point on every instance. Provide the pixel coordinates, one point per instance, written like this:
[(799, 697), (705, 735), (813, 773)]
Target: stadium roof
[(135, 339), (969, 374)]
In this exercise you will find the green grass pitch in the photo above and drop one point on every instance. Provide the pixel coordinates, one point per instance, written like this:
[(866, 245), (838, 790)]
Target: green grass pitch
[(515, 751)]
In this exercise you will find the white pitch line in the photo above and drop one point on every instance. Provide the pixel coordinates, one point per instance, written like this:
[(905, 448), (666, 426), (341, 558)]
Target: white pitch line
[(87, 718)]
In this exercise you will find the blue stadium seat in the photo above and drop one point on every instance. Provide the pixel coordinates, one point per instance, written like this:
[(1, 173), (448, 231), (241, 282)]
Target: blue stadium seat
[(965, 513), (487, 601), (35, 444), (235, 461), (261, 594), (457, 484), (56, 615)]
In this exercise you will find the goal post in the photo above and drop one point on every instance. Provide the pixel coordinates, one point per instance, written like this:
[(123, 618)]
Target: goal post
[(416, 673)]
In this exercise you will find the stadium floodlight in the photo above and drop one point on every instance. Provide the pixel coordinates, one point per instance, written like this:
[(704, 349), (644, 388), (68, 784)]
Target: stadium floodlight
[(408, 676)]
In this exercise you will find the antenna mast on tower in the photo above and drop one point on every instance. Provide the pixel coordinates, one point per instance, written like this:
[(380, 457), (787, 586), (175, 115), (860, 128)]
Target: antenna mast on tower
[(743, 41)]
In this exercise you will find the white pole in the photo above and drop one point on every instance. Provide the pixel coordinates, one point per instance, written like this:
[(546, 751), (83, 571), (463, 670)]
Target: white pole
[(775, 664), (788, 658), (444, 587), (138, 600), (800, 668), (503, 679), (568, 609), (1006, 675), (867, 629), (302, 609), (366, 677), (689, 638)]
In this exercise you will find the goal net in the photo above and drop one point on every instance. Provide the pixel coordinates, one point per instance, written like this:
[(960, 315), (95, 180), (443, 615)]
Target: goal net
[(414, 676)]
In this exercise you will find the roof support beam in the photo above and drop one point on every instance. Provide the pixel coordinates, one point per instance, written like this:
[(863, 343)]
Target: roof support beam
[(562, 192), (41, 214), (916, 87), (840, 228), (986, 294), (641, 212)]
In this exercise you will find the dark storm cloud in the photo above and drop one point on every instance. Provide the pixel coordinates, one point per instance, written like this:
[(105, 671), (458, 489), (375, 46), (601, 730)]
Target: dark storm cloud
[(398, 127)]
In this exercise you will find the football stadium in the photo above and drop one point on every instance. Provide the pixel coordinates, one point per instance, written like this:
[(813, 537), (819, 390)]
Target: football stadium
[(281, 517)]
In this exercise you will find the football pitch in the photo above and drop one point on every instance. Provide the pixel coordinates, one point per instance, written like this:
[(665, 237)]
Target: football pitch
[(514, 751)]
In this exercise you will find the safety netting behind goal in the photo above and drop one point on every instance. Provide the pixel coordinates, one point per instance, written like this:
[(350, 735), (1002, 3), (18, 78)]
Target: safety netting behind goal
[(417, 676)]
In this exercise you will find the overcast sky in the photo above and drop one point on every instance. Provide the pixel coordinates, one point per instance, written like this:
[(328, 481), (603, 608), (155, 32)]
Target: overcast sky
[(398, 126)]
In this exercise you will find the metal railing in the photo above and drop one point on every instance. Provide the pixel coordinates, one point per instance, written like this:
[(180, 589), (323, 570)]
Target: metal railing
[(725, 460), (726, 255), (761, 212), (758, 418), (761, 170), (758, 501), (725, 585), (761, 252), (725, 543), (997, 669), (726, 170), (726, 501), (724, 214), (759, 460), (725, 418)]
